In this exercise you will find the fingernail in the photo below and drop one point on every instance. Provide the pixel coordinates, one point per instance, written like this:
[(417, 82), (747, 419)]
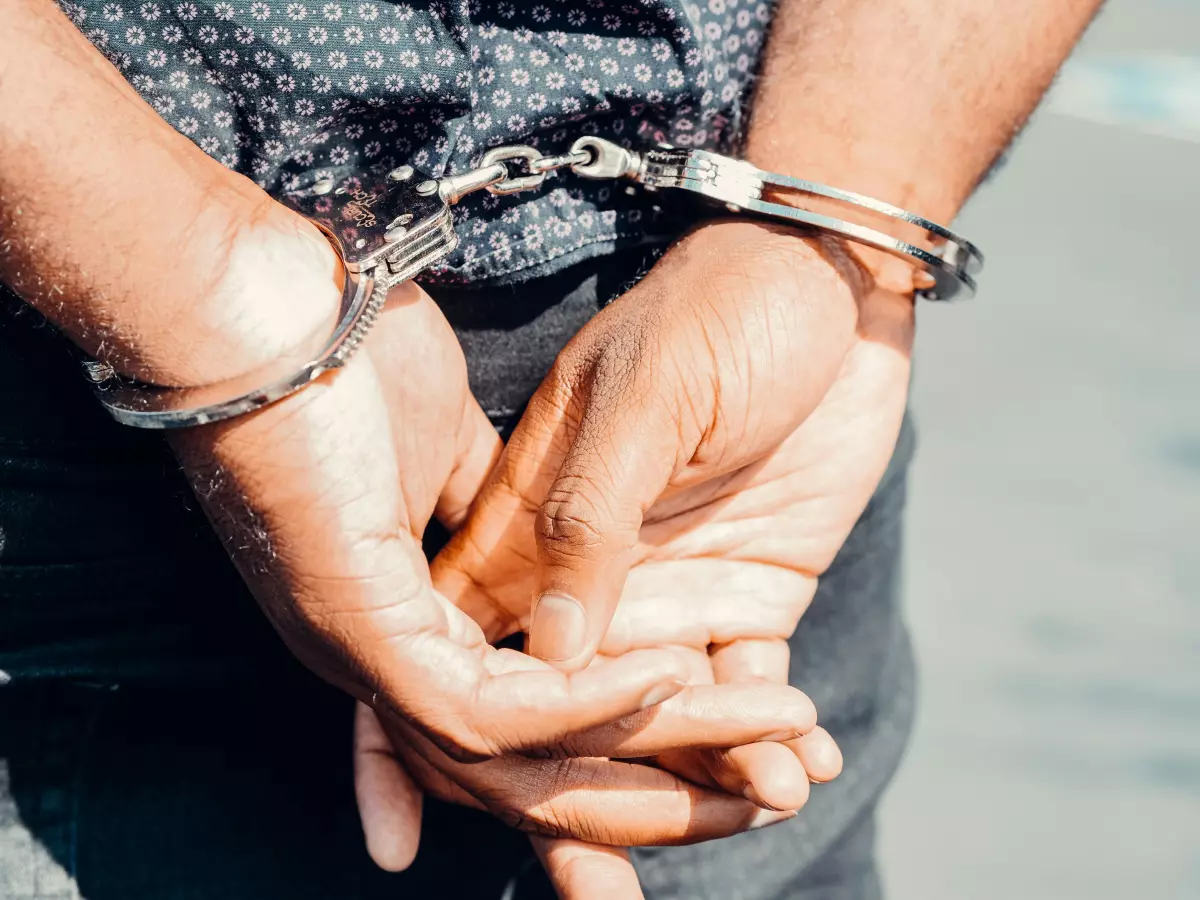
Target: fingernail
[(765, 818), (661, 692), (752, 795), (559, 628)]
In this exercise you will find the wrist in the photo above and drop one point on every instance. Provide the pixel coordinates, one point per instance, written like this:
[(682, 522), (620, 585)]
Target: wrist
[(255, 282), (843, 171), (785, 254), (150, 255), (818, 272)]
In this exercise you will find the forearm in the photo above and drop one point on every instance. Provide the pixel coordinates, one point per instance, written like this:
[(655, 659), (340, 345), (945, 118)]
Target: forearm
[(909, 101), (145, 251)]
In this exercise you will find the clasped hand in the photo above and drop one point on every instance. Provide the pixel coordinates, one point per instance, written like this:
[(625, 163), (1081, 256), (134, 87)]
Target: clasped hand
[(699, 453)]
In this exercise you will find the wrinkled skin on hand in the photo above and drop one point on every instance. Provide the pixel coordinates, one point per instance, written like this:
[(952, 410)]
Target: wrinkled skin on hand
[(666, 406), (706, 442), (701, 450), (322, 500)]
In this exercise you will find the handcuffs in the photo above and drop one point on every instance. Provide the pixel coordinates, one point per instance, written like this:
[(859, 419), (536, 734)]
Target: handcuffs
[(392, 228)]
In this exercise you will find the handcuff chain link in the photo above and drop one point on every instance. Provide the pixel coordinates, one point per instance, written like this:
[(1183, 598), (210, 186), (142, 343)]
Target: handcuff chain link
[(539, 166), (589, 157)]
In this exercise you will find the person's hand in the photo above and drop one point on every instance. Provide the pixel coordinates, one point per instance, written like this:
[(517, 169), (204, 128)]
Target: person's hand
[(607, 802), (730, 613), (780, 771), (699, 424), (390, 763), (729, 557), (322, 500)]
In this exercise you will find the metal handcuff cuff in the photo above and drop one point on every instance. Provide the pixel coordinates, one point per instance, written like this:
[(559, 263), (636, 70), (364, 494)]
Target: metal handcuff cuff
[(393, 228)]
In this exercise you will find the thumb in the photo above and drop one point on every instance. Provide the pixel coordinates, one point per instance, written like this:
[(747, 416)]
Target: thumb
[(620, 461)]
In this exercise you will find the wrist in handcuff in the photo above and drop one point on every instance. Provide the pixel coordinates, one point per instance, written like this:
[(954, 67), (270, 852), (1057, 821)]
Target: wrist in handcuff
[(888, 273), (883, 270), (377, 231), (389, 227), (254, 282)]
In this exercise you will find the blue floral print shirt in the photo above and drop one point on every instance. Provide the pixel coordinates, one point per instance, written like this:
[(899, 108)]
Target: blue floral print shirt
[(283, 89)]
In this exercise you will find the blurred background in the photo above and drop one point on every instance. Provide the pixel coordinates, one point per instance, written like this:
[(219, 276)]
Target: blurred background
[(1053, 564)]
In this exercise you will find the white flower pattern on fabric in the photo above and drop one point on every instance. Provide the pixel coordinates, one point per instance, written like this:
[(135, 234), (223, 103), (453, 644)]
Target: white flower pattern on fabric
[(297, 87)]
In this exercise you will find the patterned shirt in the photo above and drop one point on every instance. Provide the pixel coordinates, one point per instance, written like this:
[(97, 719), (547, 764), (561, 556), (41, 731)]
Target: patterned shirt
[(280, 91)]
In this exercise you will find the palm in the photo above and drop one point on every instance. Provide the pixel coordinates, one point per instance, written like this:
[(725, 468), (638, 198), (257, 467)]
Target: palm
[(721, 570), (334, 491), (737, 555), (323, 499)]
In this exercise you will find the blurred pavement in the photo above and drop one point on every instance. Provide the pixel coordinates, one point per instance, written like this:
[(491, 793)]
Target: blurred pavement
[(1054, 536)]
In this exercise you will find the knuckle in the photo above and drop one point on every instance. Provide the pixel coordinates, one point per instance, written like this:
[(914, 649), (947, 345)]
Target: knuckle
[(569, 522), (617, 366), (571, 367)]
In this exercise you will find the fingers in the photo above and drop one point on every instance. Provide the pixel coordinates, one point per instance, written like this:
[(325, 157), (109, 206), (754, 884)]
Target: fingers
[(389, 803), (767, 661), (432, 779), (632, 805), (767, 774), (597, 800), (751, 661), (476, 702), (820, 754), (690, 765), (698, 602), (701, 717), (621, 457), (581, 871), (475, 706), (707, 365), (770, 775)]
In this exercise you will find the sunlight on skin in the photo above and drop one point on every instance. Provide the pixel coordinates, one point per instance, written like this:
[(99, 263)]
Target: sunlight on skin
[(721, 567)]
